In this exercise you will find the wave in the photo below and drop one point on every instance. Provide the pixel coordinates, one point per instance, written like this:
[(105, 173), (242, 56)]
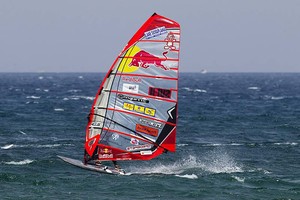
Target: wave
[(22, 162), (78, 97), (189, 176), (8, 146), (253, 88), (194, 90), (41, 145), (219, 144), (182, 145), (23, 132), (242, 180), (250, 144), (59, 109), (218, 161), (39, 89), (286, 143), (74, 90), (33, 97), (274, 97), (34, 102), (214, 162)]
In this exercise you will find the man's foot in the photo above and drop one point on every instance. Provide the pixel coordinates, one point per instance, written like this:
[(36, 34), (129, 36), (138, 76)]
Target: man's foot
[(117, 167), (98, 162)]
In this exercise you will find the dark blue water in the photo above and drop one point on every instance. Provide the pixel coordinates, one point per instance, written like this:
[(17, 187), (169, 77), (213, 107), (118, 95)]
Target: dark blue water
[(238, 138)]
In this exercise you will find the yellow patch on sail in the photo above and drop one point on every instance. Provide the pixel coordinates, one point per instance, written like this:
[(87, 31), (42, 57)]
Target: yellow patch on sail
[(124, 64)]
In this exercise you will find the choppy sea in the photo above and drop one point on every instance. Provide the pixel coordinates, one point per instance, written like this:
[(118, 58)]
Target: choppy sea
[(238, 138)]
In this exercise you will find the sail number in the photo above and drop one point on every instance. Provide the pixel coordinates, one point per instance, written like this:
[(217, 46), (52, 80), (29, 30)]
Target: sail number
[(159, 92)]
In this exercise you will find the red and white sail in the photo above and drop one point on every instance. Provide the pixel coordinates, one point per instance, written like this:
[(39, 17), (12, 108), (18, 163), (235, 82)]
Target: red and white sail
[(134, 114)]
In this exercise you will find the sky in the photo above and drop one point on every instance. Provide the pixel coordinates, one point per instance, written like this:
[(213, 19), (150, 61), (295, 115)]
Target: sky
[(87, 35)]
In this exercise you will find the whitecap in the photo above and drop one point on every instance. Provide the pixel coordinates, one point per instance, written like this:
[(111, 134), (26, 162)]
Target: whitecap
[(23, 162), (187, 89), (182, 145), (59, 109), (286, 143), (41, 145), (8, 146), (32, 97), (253, 88), (41, 77), (242, 180), (80, 77), (46, 90), (218, 161), (277, 98), (82, 97), (23, 132), (199, 90), (74, 90), (274, 98), (189, 176)]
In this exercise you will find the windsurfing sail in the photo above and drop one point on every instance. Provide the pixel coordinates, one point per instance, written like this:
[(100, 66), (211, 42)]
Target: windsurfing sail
[(134, 114)]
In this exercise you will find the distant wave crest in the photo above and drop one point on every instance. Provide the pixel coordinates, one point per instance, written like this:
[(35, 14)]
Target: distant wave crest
[(22, 162)]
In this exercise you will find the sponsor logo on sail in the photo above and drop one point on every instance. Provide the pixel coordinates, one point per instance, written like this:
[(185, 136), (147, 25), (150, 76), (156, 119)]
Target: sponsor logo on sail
[(144, 59), (134, 141), (130, 88), (105, 153), (138, 147), (150, 123), (139, 109), (126, 97), (131, 79), (147, 130), (155, 32)]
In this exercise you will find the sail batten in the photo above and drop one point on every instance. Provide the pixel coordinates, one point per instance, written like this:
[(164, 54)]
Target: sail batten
[(134, 114)]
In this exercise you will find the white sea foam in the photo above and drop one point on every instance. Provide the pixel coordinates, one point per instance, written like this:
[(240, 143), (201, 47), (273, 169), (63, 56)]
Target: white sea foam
[(242, 180), (81, 97), (274, 98), (33, 97), (8, 146), (182, 145), (23, 132), (41, 145), (59, 109), (74, 90), (187, 89), (80, 77), (213, 162), (286, 143), (41, 77), (253, 88), (22, 162), (189, 176), (194, 90), (199, 90), (218, 161)]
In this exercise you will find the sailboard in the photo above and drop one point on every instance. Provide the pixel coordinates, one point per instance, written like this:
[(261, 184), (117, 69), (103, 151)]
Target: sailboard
[(134, 114)]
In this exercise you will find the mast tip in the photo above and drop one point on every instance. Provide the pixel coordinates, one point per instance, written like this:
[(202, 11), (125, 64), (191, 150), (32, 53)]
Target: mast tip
[(154, 14)]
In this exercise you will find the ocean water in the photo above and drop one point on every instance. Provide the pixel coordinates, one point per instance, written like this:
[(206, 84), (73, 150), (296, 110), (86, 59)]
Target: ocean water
[(238, 138)]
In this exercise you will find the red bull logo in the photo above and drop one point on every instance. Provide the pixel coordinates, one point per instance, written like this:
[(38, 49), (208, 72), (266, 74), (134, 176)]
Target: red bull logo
[(144, 59)]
